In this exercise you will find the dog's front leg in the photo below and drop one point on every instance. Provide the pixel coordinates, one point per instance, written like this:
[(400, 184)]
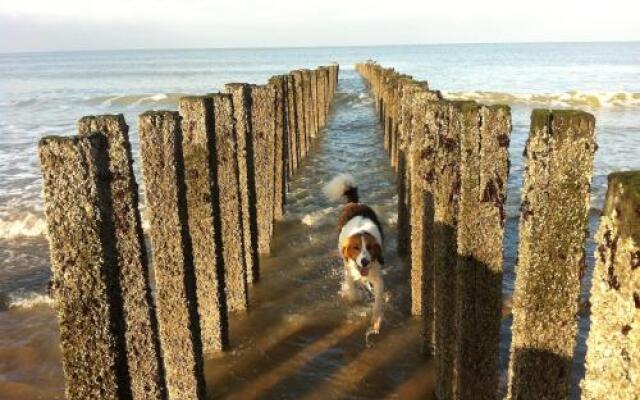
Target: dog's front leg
[(378, 295), (377, 313), (348, 291)]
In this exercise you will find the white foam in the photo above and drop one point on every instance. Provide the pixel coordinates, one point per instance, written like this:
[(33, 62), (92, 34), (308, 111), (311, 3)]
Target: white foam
[(27, 225), (31, 225), (575, 98), (316, 218), (29, 300)]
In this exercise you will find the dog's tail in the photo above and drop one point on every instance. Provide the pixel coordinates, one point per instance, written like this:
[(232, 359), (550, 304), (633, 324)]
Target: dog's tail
[(342, 187)]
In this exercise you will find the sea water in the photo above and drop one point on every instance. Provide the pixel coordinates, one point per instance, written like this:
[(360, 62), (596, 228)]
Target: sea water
[(296, 304)]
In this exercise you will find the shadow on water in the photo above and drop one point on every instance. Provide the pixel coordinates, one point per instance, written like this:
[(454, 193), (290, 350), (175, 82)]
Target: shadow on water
[(300, 340)]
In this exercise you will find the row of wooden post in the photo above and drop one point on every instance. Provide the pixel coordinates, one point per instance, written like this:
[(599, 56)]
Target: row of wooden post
[(215, 176), (453, 164)]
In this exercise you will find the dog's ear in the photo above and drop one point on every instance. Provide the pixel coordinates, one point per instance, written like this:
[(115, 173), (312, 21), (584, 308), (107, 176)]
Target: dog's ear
[(344, 250), (376, 252)]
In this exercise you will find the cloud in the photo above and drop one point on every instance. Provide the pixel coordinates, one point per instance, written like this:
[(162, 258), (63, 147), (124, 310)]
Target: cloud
[(82, 24)]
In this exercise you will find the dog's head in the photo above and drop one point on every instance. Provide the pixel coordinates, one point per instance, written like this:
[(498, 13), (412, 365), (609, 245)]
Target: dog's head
[(362, 249)]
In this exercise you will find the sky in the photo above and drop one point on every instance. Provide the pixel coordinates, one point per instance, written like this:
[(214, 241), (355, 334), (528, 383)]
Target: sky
[(50, 25)]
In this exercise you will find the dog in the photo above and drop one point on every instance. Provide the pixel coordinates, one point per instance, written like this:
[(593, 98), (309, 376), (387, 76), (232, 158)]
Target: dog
[(360, 243)]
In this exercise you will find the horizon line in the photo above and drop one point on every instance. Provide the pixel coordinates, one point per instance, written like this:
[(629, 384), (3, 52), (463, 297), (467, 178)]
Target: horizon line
[(277, 47)]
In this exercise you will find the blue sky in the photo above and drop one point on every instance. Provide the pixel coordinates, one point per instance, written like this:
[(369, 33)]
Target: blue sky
[(42, 25)]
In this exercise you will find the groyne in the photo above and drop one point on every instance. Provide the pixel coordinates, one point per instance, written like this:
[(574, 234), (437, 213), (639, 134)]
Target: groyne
[(453, 163), (215, 177)]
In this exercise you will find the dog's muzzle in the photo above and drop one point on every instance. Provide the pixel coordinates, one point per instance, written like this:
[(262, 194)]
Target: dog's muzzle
[(363, 267)]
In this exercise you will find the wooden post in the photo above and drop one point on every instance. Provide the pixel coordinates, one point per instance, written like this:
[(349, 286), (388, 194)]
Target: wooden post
[(143, 346), (446, 197), (555, 204), (322, 96), (613, 356), (301, 116), (263, 124), (182, 318), (211, 173), (84, 264), (279, 84), (241, 94), (292, 125), (484, 169)]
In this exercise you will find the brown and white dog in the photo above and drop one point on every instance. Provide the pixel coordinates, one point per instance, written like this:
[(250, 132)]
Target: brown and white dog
[(360, 243)]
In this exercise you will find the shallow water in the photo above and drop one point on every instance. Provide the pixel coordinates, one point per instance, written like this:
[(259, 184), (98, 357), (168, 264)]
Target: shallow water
[(299, 331), (300, 340)]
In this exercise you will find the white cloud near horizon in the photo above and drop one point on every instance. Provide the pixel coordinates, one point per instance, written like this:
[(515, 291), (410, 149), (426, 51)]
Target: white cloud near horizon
[(34, 25)]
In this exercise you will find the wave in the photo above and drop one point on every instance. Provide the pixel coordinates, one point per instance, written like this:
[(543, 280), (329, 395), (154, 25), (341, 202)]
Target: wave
[(591, 100), (132, 100), (24, 299), (352, 99), (318, 217), (23, 225), (28, 224)]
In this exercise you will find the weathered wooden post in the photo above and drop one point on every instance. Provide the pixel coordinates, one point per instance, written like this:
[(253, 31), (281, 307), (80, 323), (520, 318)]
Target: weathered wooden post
[(241, 94), (143, 352), (484, 168), (263, 124), (613, 356), (313, 83), (421, 154), (301, 116), (308, 108), (279, 85), (446, 195), (292, 127), (178, 311), (327, 92), (84, 267), (405, 132), (555, 203), (211, 173), (322, 96)]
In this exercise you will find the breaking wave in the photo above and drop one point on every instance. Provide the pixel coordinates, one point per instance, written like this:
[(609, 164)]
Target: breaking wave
[(23, 225), (30, 224), (24, 299), (132, 100), (591, 100)]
